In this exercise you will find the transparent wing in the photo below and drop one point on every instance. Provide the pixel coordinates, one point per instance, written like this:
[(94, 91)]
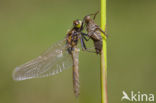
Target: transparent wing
[(53, 61)]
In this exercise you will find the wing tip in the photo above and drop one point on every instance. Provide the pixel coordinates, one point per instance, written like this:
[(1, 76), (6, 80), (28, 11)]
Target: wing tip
[(14, 74), (17, 77)]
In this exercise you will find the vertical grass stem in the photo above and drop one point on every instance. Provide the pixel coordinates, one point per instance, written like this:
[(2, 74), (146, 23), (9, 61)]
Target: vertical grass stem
[(103, 55)]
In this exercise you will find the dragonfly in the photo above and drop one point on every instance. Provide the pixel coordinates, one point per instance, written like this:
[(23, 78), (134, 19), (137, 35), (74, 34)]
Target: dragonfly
[(60, 56)]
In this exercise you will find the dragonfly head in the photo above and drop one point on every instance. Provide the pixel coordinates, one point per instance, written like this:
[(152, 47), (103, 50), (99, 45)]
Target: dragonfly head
[(77, 23)]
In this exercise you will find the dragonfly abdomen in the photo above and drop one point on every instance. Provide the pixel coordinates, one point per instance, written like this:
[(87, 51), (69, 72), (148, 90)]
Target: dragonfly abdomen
[(76, 83)]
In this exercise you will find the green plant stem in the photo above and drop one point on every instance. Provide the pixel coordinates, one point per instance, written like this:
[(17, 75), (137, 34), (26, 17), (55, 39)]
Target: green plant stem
[(103, 55)]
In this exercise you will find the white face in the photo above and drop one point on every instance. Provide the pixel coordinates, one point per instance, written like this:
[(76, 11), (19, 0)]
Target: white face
[(80, 22)]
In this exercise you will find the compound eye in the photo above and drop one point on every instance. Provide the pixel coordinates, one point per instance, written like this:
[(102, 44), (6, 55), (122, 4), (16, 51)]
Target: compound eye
[(75, 22)]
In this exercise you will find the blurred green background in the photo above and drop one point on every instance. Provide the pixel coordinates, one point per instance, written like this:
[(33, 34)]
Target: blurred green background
[(29, 27)]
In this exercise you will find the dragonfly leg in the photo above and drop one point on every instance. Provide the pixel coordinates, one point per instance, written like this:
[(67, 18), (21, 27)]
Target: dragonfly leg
[(84, 48), (83, 45), (98, 28), (95, 15), (84, 35)]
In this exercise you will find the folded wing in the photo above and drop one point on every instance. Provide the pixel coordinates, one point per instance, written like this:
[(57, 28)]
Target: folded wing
[(53, 61)]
